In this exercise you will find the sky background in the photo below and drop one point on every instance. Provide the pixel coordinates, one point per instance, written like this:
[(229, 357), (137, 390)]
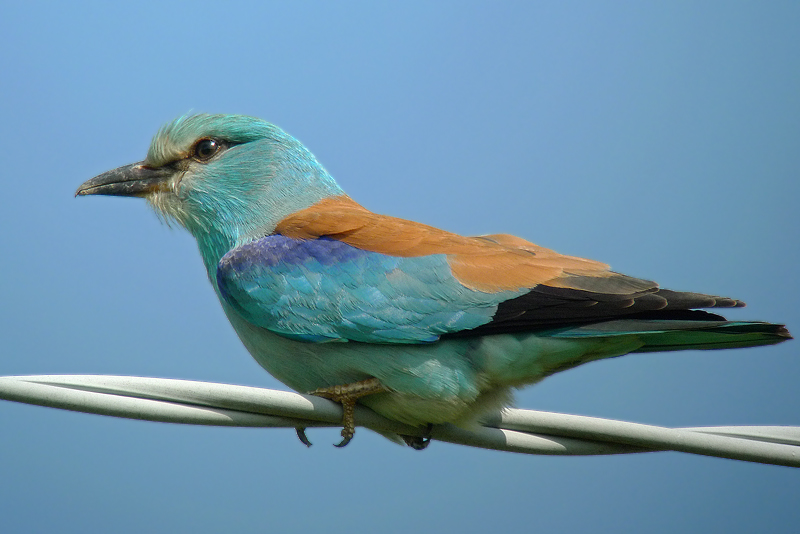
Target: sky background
[(662, 139)]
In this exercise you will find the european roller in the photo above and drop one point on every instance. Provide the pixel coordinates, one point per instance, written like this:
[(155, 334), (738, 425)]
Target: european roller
[(421, 325)]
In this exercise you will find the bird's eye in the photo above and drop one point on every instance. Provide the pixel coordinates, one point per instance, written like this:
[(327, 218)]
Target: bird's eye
[(205, 149)]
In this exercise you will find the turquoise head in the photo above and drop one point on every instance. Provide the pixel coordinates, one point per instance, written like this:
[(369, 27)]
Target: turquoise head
[(228, 179)]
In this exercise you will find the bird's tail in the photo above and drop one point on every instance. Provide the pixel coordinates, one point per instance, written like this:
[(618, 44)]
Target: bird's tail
[(669, 335)]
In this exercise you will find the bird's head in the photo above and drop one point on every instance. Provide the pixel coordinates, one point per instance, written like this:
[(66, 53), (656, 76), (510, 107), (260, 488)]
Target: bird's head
[(227, 179)]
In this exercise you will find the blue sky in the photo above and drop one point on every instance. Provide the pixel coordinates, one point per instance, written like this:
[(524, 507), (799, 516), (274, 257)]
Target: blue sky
[(662, 139)]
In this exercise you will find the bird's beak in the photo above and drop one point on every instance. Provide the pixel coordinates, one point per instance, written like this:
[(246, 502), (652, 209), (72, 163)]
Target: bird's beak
[(134, 180)]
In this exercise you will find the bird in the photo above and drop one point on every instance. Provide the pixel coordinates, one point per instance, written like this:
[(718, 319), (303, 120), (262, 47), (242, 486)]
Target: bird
[(421, 325)]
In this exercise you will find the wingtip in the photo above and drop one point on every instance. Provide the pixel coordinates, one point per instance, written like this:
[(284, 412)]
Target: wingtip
[(783, 332), (725, 302)]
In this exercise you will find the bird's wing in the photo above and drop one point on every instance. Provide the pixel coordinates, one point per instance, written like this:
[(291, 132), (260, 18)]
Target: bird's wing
[(337, 271), (326, 290)]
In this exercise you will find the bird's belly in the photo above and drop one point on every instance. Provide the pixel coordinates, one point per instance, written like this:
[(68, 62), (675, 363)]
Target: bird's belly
[(429, 383)]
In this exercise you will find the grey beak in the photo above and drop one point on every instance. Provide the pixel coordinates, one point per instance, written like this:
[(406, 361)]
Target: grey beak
[(134, 180)]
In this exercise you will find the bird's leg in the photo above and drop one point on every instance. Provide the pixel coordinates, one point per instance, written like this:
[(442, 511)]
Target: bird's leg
[(347, 395)]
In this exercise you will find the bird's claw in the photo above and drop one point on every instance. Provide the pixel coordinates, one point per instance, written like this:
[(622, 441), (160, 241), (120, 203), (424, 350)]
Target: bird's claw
[(301, 435), (346, 437), (419, 443)]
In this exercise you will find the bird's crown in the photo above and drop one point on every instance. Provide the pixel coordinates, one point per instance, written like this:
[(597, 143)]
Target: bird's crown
[(174, 140)]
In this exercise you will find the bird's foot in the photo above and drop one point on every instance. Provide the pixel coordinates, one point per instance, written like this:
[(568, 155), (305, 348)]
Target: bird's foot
[(347, 395), (419, 443)]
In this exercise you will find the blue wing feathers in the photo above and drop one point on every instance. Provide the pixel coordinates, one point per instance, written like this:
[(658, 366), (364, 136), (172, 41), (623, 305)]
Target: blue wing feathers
[(326, 290)]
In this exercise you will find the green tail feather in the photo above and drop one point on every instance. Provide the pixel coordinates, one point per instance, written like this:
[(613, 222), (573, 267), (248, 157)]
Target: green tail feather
[(667, 335)]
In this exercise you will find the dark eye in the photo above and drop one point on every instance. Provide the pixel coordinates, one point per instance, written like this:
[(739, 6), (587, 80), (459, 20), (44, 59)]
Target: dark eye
[(204, 149)]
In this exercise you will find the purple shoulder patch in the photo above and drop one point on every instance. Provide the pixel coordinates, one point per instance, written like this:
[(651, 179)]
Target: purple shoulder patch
[(277, 249)]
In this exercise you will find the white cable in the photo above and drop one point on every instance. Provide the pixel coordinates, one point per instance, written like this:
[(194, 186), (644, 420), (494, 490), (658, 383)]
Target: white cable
[(525, 431)]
